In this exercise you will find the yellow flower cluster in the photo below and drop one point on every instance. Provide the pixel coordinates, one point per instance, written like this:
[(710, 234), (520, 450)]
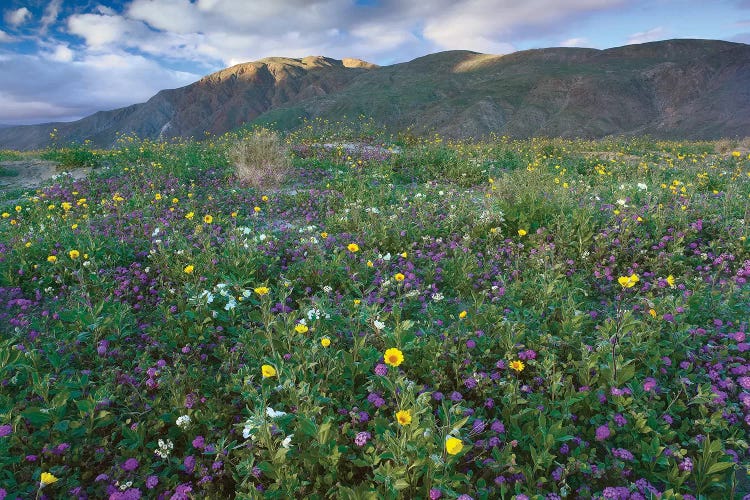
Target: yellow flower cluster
[(628, 281)]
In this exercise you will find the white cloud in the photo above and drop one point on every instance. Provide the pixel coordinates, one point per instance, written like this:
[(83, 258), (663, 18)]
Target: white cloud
[(51, 13), (178, 16), (17, 17), (4, 37), (38, 89), (574, 42), (30, 111), (491, 22), (100, 30), (219, 32), (62, 53), (652, 35)]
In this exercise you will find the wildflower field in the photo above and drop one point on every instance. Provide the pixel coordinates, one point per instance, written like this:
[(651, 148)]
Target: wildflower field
[(400, 318)]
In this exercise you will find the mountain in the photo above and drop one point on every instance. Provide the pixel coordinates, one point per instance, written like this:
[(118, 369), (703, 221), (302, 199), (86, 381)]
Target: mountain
[(681, 89)]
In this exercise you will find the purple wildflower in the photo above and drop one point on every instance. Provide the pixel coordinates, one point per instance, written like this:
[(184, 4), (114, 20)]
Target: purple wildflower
[(199, 442), (602, 432), (361, 438), (130, 465)]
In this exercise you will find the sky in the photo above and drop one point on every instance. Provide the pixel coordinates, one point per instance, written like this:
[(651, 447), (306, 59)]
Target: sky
[(61, 60)]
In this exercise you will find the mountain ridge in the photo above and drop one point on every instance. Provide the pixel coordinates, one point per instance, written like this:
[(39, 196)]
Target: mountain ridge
[(691, 89)]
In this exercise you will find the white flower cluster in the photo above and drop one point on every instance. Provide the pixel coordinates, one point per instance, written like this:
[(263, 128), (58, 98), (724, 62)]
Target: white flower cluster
[(315, 313), (165, 448), (222, 290), (183, 421)]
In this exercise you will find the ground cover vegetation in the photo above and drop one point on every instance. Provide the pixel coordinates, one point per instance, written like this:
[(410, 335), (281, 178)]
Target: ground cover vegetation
[(400, 317)]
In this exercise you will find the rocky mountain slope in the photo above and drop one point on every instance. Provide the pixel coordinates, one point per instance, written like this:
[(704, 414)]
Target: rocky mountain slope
[(692, 89)]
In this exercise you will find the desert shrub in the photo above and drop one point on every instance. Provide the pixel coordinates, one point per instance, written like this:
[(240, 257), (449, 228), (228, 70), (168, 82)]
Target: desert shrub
[(73, 156), (6, 172), (6, 155), (260, 159)]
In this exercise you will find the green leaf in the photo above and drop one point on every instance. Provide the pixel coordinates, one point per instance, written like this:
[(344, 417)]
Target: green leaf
[(401, 484), (36, 416), (719, 466)]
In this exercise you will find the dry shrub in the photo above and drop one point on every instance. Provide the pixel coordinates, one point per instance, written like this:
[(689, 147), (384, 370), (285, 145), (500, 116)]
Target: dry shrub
[(729, 145), (261, 159)]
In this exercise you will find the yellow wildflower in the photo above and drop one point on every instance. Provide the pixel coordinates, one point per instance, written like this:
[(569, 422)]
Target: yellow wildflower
[(393, 357), (74, 254), (399, 277), (403, 417), (462, 314), (628, 281), (300, 328), (47, 479), (208, 219), (189, 269), (261, 290), (522, 232), (52, 259), (325, 341), (352, 247), (453, 446), (517, 366), (268, 371)]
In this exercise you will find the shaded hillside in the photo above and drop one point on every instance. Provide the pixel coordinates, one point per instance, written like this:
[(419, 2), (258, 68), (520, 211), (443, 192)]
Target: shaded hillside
[(693, 89), (675, 89)]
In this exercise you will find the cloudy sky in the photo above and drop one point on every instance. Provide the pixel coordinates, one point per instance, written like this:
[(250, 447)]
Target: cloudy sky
[(64, 59)]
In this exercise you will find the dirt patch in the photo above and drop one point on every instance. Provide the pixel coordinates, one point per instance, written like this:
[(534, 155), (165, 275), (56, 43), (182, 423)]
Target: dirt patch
[(31, 173)]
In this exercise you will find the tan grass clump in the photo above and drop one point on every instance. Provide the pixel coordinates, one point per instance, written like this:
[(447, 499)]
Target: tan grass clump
[(261, 160)]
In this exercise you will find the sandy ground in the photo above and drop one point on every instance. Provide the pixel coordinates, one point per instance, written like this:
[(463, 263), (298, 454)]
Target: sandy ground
[(32, 173)]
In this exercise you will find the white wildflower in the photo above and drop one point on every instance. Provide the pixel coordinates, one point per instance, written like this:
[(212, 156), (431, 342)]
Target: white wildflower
[(165, 448), (183, 421), (287, 441), (273, 413)]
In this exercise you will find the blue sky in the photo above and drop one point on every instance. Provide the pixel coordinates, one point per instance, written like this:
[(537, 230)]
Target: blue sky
[(64, 59)]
